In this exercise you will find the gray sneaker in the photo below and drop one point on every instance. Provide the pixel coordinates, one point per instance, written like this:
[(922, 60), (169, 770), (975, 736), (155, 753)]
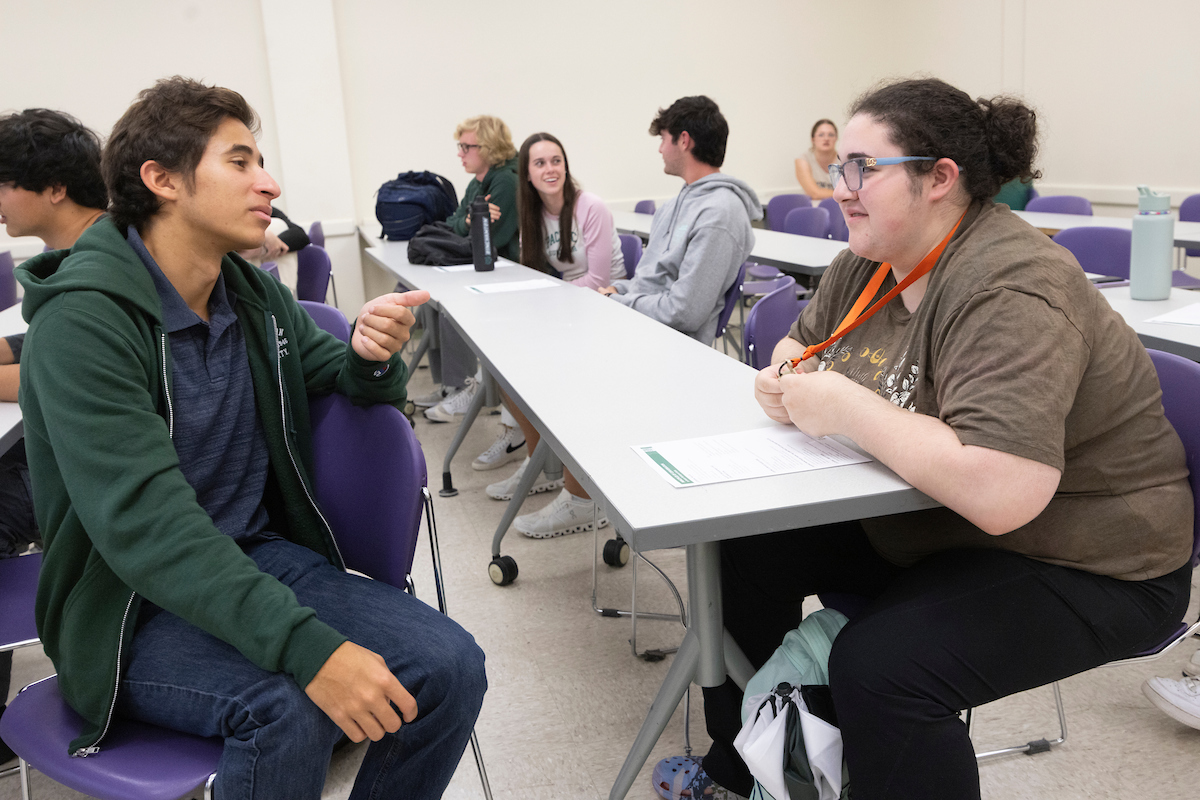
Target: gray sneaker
[(429, 400), (505, 489), (509, 447), (454, 407)]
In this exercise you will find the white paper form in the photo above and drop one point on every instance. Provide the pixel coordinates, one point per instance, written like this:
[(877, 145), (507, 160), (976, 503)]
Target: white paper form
[(757, 453), (1188, 315), (515, 286), (470, 267)]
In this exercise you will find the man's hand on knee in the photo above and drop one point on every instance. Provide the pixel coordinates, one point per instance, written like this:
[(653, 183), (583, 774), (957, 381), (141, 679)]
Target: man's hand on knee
[(357, 690)]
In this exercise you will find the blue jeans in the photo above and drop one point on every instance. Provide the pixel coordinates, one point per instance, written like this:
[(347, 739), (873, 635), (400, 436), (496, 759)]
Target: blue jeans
[(277, 741)]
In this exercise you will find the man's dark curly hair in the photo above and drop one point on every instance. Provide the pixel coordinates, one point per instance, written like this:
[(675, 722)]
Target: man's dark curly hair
[(702, 120), (40, 149), (169, 123)]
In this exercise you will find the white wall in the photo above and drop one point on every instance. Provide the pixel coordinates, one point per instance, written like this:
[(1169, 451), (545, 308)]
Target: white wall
[(594, 75), (1115, 81)]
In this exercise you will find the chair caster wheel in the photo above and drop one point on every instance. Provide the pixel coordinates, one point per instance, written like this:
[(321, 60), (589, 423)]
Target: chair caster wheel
[(616, 552), (503, 570)]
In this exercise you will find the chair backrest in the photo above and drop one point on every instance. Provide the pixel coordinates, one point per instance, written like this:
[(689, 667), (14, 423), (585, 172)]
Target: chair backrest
[(769, 321), (271, 267), (18, 586), (328, 318), (316, 234), (732, 295), (779, 206), (1189, 211), (1102, 250), (1180, 381), (811, 221), (837, 223), (1060, 204), (644, 207), (8, 282), (312, 273), (357, 446), (631, 251)]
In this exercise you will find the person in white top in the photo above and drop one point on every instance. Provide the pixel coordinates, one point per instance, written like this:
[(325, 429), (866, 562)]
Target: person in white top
[(570, 234), (812, 168)]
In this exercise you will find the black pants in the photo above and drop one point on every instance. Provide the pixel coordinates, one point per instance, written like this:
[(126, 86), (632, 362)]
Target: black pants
[(959, 629)]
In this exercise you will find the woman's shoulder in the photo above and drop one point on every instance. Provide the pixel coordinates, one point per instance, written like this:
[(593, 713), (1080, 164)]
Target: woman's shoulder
[(589, 204)]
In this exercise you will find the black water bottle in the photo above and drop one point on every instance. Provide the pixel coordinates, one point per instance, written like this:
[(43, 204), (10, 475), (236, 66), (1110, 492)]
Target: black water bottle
[(482, 248)]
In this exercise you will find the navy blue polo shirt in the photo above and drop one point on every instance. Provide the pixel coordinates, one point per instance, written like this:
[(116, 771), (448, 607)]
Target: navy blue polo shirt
[(218, 435)]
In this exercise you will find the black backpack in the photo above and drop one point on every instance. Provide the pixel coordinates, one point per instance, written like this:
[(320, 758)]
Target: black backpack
[(436, 245), (403, 205)]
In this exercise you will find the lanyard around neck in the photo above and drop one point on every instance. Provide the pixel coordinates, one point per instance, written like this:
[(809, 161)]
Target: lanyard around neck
[(856, 316)]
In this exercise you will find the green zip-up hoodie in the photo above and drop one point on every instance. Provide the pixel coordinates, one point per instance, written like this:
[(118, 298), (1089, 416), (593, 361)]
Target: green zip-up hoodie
[(118, 518), (500, 184)]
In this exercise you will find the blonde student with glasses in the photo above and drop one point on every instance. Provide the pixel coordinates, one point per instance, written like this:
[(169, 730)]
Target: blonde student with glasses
[(968, 353), (486, 151)]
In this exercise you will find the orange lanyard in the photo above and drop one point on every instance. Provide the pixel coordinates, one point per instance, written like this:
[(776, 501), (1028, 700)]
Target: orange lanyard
[(853, 319)]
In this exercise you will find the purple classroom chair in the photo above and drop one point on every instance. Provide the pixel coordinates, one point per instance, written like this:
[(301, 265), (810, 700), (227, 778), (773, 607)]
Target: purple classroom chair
[(312, 273), (631, 251), (316, 234), (769, 321), (732, 296), (271, 267), (761, 272), (328, 318), (1106, 251), (644, 207), (1189, 211), (837, 222), (812, 221), (1180, 381), (779, 206), (8, 282), (1060, 204), (376, 534)]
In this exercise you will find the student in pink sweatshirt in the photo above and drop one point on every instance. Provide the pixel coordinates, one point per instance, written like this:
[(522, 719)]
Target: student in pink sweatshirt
[(570, 234)]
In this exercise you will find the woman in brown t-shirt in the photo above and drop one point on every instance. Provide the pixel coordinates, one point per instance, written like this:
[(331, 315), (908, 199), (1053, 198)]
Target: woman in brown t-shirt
[(998, 382)]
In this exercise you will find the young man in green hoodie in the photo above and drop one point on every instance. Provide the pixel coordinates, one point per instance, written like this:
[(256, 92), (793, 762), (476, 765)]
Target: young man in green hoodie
[(50, 187), (188, 578)]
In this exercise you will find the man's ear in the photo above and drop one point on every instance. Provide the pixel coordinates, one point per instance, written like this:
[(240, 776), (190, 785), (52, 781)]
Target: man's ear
[(57, 194), (164, 183), (685, 141)]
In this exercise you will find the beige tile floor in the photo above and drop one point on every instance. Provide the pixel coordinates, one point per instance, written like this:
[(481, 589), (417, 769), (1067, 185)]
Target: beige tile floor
[(566, 696)]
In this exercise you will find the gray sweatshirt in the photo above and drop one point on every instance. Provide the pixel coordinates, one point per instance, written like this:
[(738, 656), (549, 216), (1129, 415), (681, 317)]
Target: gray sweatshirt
[(697, 243)]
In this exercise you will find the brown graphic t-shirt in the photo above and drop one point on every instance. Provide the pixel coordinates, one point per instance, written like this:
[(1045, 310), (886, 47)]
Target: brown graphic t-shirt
[(1015, 350)]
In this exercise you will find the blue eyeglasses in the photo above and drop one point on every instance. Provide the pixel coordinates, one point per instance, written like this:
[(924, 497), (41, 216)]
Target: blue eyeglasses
[(853, 168)]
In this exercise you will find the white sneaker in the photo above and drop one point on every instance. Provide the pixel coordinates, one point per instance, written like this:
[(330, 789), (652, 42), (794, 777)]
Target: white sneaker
[(566, 514), (510, 446), (454, 407), (1179, 700), (432, 399), (505, 489), (1192, 668)]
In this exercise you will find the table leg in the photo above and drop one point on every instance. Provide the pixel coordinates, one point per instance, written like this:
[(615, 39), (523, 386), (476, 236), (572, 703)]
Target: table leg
[(429, 320), (468, 420), (701, 658), (536, 461)]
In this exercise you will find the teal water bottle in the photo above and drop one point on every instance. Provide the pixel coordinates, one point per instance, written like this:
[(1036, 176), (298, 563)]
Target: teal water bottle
[(1153, 244)]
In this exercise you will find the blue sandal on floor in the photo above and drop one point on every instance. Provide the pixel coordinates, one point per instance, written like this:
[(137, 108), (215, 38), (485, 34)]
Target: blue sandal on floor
[(679, 774)]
